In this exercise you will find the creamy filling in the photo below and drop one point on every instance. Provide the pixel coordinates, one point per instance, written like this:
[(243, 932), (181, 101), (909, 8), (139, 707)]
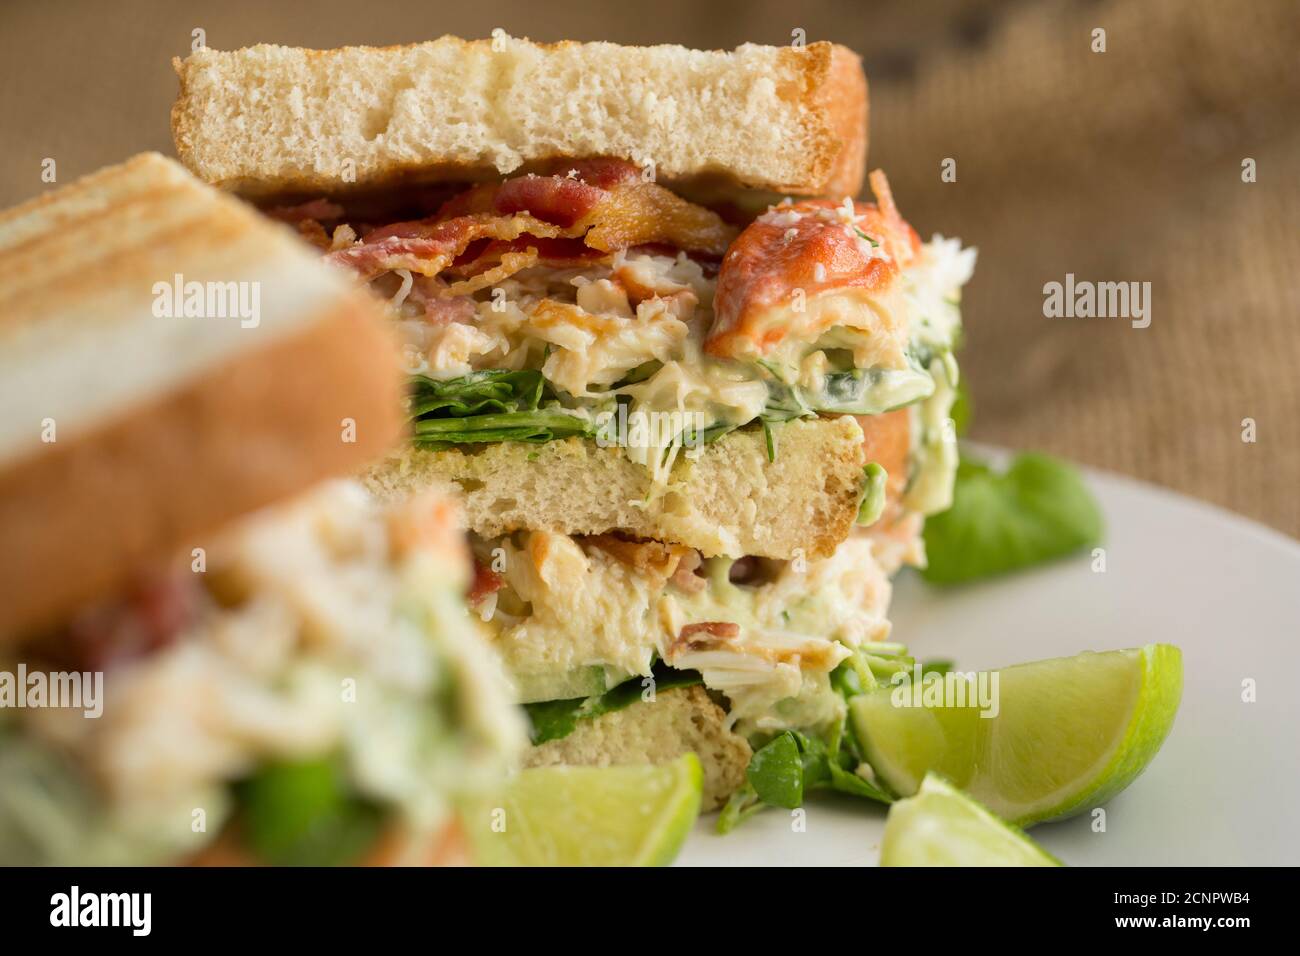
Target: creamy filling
[(630, 333), (933, 287), (325, 627), (572, 617)]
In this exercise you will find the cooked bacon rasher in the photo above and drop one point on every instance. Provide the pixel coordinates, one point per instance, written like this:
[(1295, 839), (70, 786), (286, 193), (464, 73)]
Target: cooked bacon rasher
[(584, 215)]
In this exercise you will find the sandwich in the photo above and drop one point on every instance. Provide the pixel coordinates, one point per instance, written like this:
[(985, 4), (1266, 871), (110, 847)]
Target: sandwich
[(691, 392), (215, 646)]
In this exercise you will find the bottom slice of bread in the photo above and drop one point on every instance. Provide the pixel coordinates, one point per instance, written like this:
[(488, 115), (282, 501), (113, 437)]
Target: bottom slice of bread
[(675, 722)]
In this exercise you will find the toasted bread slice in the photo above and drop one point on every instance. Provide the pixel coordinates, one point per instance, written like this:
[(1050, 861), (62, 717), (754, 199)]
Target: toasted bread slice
[(277, 120), (126, 433), (676, 722), (730, 501)]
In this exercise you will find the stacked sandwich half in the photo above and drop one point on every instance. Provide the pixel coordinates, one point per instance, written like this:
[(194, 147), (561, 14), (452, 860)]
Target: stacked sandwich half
[(208, 651), (693, 394)]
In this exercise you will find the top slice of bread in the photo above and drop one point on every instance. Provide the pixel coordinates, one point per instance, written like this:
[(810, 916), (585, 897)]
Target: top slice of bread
[(277, 120), (127, 433), (730, 501)]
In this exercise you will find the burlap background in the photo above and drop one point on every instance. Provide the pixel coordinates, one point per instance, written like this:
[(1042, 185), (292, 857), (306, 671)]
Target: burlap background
[(1123, 165)]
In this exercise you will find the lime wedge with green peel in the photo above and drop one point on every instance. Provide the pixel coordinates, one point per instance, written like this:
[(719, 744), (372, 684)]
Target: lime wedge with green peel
[(589, 816), (1061, 736), (941, 826)]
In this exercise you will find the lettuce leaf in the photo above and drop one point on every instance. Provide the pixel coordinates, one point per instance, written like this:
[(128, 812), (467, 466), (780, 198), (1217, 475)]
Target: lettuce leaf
[(555, 719), (490, 406), (1037, 510)]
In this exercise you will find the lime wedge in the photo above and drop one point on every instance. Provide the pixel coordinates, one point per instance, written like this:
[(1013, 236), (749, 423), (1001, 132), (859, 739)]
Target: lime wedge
[(590, 816), (1068, 734), (941, 826)]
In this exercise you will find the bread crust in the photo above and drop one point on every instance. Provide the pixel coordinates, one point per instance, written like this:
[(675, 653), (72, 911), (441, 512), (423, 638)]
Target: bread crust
[(844, 101), (82, 514), (828, 101)]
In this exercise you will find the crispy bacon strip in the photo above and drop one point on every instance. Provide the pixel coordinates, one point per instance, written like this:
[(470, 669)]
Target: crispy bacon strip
[(555, 199), (813, 247), (510, 263), (601, 209), (429, 247), (560, 253), (655, 559), (603, 172), (642, 213)]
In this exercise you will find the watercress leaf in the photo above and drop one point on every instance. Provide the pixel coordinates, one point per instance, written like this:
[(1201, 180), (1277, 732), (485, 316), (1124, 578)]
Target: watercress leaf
[(555, 719), (741, 805), (776, 772), (1038, 510), (846, 781), (489, 406), (532, 426), (815, 756)]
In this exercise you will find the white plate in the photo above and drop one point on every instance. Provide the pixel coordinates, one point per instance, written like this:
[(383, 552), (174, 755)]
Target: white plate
[(1224, 788)]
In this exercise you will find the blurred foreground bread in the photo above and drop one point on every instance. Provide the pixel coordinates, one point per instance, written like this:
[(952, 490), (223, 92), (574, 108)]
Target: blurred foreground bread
[(126, 435), (272, 119)]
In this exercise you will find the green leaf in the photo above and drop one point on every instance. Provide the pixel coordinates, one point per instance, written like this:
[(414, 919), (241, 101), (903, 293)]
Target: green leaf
[(776, 772), (540, 426), (490, 406), (477, 393), (1038, 510), (741, 805), (793, 764), (854, 391), (846, 781), (555, 719), (304, 814)]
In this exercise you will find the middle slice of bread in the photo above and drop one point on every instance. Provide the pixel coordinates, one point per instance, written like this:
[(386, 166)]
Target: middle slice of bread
[(731, 500)]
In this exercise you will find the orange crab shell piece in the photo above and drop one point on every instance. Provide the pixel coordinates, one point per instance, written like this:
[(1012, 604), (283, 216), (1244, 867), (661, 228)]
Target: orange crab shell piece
[(814, 247)]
